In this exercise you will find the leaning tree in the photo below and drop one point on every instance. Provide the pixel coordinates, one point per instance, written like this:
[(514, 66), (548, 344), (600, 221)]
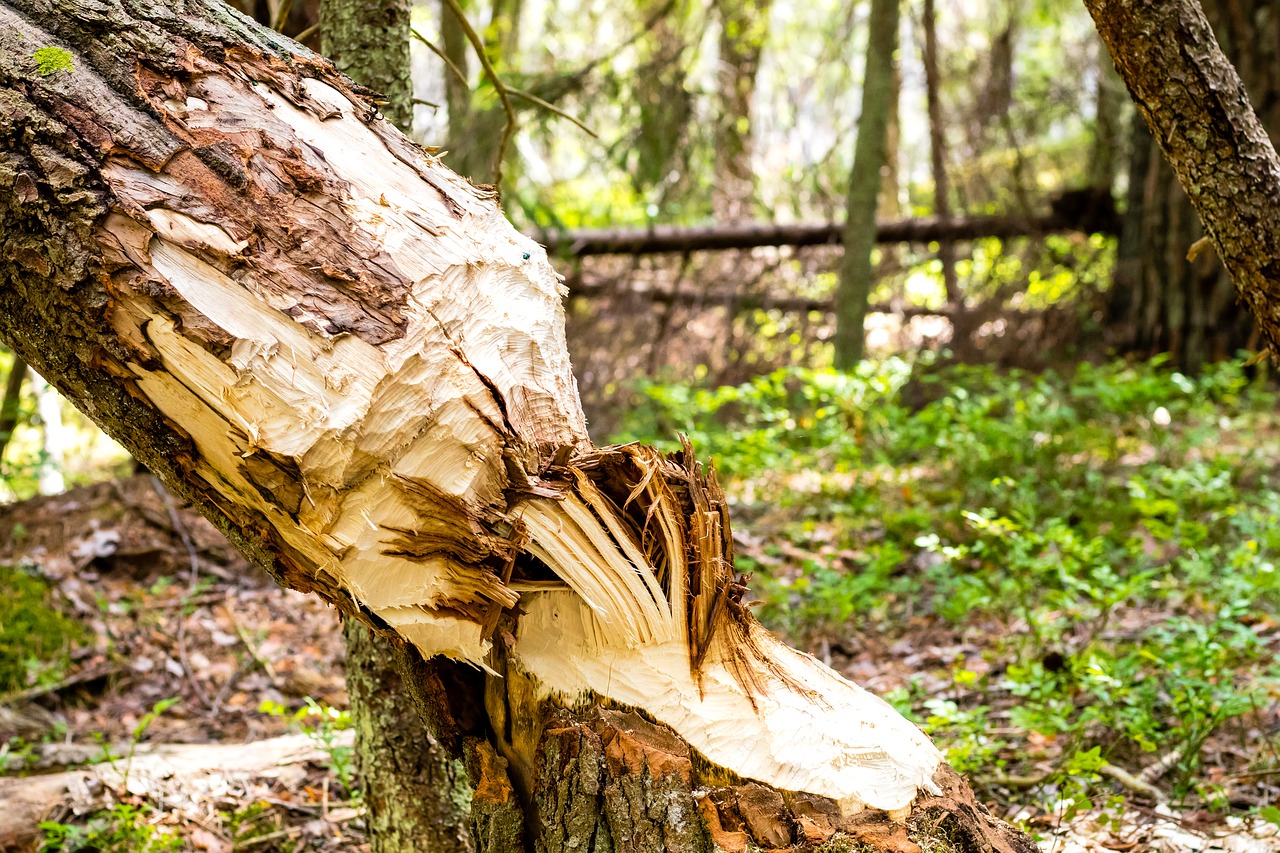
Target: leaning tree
[(1168, 294), (344, 355), (1198, 110)]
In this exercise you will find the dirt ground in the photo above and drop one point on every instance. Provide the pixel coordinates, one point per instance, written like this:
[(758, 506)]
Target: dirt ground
[(176, 613)]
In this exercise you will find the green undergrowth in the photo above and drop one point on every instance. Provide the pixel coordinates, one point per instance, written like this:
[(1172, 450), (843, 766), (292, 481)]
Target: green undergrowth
[(36, 638), (1090, 555)]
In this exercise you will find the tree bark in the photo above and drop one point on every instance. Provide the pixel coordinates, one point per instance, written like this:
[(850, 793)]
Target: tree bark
[(415, 797), (369, 41), (1198, 110), (869, 156), (343, 355), (10, 404)]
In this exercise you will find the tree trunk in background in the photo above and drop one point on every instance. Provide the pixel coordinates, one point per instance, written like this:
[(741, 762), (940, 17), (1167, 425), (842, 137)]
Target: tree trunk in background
[(10, 405), (856, 272), (412, 800), (344, 356), (1162, 301), (476, 121), (1220, 152), (744, 24), (369, 41), (457, 91), (938, 157), (1108, 127), (49, 479)]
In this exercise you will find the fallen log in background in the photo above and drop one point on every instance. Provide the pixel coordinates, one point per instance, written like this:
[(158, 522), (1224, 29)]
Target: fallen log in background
[(586, 242), (190, 778), (345, 356)]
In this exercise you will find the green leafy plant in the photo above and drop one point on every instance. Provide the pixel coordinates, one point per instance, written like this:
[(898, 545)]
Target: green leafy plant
[(322, 723), (123, 828), (1109, 536)]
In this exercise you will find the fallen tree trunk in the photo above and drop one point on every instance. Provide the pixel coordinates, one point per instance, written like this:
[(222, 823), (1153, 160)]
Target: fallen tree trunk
[(585, 242), (346, 358), (737, 301)]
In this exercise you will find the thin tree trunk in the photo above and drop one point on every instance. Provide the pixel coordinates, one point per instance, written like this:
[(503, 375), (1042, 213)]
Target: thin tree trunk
[(10, 406), (476, 126), (1217, 148), (744, 24), (49, 478), (890, 206), (412, 797), (343, 355), (938, 153), (457, 88), (856, 270), (1108, 129)]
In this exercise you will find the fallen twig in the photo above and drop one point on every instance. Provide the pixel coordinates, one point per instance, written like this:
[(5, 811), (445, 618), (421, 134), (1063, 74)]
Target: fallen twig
[(1132, 782), (91, 673), (1112, 771)]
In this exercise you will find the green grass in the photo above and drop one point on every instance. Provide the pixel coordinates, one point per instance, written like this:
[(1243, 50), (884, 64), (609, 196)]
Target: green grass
[(1099, 547), (36, 638)]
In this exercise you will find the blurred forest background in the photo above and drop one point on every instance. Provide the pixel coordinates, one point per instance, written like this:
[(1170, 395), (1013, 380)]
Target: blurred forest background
[(1037, 509)]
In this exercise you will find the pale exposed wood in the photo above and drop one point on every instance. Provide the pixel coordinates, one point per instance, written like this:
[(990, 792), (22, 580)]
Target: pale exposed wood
[(385, 462)]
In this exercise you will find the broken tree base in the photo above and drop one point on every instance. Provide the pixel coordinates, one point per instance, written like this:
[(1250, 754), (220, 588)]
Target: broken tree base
[(612, 780)]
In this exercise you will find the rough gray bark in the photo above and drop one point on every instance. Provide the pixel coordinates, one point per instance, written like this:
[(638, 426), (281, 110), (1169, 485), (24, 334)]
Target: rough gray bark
[(856, 274), (1198, 110), (415, 797), (1164, 301), (216, 249)]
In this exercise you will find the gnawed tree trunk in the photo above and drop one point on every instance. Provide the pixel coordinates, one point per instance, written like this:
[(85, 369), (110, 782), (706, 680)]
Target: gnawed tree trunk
[(344, 356), (1218, 162)]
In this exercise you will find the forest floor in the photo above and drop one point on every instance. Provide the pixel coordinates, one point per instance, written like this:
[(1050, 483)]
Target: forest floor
[(1107, 697)]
